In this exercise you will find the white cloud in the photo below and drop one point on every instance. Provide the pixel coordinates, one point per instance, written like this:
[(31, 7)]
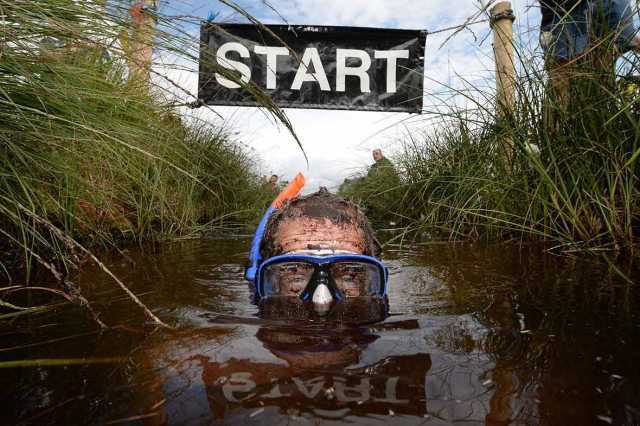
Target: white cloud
[(338, 143)]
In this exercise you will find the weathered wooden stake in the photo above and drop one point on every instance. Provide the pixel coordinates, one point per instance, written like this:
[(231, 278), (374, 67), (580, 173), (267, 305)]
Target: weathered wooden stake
[(502, 18), (140, 53)]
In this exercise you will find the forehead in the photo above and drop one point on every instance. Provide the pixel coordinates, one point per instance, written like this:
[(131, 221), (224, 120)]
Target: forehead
[(304, 233)]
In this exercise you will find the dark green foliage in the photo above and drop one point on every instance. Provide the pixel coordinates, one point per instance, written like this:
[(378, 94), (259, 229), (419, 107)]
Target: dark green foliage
[(376, 191), (88, 158), (559, 168)]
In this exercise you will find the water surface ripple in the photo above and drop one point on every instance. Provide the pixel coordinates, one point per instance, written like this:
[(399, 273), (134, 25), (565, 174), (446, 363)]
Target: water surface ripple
[(472, 334)]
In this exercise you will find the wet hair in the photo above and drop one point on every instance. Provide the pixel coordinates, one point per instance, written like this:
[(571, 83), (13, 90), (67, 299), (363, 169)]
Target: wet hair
[(321, 204)]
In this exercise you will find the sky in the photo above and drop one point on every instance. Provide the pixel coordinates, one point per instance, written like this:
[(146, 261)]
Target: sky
[(339, 143)]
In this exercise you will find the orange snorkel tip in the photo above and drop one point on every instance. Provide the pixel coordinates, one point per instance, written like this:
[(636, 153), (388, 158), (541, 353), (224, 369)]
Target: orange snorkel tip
[(290, 191)]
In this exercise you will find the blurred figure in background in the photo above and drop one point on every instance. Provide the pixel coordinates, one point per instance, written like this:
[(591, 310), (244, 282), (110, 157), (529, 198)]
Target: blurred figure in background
[(585, 37), (379, 191), (381, 165), (273, 181), (270, 189)]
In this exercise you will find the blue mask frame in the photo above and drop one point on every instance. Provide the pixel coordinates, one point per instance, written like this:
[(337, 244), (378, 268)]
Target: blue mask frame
[(256, 264), (320, 260)]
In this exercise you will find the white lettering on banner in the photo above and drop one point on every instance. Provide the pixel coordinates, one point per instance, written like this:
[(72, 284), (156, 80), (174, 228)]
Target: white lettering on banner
[(272, 53), (310, 388), (360, 392), (222, 59), (392, 57), (360, 71), (276, 393), (311, 57), (238, 382), (239, 387)]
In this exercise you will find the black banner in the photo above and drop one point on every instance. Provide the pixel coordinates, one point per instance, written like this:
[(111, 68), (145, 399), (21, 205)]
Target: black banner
[(323, 67)]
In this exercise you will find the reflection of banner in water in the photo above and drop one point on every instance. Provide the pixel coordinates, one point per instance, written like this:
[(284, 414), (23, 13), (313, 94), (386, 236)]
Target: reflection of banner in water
[(393, 384)]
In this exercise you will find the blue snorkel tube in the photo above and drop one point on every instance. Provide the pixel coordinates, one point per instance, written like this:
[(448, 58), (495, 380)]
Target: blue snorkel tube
[(254, 253), (290, 191)]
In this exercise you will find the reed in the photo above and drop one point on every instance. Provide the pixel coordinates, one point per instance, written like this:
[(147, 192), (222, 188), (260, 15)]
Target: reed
[(561, 168), (89, 157)]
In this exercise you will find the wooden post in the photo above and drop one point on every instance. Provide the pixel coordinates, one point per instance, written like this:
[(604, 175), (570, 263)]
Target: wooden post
[(140, 53), (502, 18)]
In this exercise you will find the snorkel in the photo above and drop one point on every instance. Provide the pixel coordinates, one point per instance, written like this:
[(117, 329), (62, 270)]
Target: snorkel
[(321, 296), (289, 192)]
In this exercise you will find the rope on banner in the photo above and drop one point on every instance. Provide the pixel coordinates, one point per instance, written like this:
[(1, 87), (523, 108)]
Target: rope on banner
[(457, 27)]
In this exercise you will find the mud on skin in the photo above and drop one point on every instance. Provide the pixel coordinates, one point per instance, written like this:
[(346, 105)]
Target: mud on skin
[(319, 217)]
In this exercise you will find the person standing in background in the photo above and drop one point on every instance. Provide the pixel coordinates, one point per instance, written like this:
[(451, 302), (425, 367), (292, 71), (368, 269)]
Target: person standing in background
[(273, 181), (585, 37), (382, 165)]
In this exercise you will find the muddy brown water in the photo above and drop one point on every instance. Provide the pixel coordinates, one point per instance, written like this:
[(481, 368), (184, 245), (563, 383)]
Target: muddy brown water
[(472, 334)]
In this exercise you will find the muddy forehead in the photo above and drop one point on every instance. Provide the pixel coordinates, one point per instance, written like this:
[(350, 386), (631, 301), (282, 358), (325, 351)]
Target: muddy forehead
[(319, 220), (336, 211), (304, 233)]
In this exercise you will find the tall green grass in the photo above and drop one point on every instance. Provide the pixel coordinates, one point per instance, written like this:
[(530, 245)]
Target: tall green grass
[(561, 167), (89, 158), (376, 191), (569, 178)]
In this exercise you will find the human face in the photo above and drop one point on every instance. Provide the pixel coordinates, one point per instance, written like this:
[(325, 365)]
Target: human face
[(350, 278), (345, 275), (294, 277), (377, 154)]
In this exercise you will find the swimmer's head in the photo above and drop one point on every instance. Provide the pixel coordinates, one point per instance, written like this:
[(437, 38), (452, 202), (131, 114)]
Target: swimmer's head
[(319, 225), (320, 221)]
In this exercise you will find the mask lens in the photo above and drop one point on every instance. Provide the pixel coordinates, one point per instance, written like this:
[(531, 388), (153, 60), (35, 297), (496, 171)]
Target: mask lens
[(286, 278), (355, 279)]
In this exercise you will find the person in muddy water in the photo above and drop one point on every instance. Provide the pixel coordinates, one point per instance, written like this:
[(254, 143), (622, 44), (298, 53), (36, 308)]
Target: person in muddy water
[(317, 251)]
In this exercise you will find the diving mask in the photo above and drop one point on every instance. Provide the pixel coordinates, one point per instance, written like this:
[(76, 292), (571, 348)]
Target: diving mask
[(321, 278)]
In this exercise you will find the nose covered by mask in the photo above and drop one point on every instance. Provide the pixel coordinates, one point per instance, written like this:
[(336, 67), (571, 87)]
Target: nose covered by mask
[(322, 291), (322, 298)]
